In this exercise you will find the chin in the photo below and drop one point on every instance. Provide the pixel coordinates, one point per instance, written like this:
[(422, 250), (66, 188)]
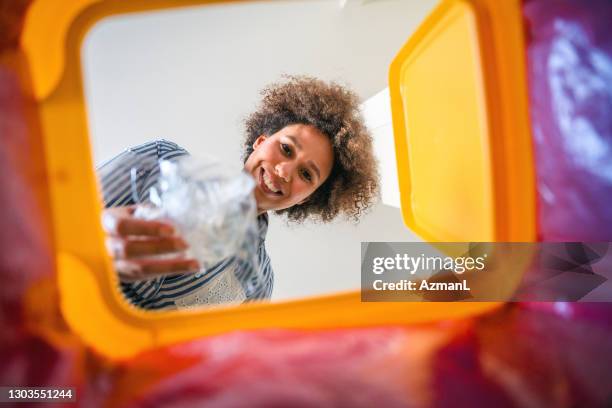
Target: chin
[(273, 207)]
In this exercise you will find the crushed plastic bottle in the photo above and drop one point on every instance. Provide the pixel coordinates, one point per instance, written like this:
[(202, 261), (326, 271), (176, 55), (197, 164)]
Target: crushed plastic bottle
[(213, 208)]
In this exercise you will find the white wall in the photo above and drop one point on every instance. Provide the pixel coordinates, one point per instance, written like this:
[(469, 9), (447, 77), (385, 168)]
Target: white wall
[(377, 114), (191, 75)]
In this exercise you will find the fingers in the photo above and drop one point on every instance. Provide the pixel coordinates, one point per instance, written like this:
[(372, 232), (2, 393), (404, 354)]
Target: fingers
[(134, 244), (134, 226), (147, 268), (120, 221), (129, 247)]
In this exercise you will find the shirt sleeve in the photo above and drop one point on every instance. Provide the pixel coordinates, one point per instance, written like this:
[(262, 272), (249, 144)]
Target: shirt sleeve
[(125, 180)]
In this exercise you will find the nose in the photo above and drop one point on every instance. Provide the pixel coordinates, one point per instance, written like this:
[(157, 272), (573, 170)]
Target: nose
[(284, 170)]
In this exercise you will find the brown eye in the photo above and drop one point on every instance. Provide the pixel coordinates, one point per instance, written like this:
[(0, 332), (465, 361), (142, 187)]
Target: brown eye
[(286, 149), (306, 175)]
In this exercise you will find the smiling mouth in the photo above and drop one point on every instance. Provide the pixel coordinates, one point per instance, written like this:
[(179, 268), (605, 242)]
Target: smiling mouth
[(264, 186)]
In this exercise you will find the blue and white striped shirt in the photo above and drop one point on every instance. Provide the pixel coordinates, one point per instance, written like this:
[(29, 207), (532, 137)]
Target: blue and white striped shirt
[(126, 180)]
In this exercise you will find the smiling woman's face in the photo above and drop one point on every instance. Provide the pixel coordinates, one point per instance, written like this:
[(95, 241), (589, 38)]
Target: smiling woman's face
[(289, 166)]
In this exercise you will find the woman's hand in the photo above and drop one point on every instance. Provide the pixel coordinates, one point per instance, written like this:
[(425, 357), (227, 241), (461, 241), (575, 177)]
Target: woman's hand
[(134, 244)]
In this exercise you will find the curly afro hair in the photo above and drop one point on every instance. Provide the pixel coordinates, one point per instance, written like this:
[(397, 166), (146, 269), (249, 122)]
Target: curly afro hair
[(352, 186)]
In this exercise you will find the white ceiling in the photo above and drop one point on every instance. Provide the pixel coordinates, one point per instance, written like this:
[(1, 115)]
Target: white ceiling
[(191, 75)]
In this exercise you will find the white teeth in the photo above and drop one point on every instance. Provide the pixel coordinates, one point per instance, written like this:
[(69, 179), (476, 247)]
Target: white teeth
[(269, 183)]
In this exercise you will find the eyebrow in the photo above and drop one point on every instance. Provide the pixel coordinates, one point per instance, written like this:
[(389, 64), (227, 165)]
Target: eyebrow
[(310, 162)]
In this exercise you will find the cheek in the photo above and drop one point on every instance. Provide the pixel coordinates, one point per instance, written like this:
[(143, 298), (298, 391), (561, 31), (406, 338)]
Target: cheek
[(262, 152), (301, 191), (270, 152)]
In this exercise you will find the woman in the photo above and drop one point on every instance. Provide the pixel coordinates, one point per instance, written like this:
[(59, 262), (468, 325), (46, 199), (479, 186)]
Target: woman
[(311, 156)]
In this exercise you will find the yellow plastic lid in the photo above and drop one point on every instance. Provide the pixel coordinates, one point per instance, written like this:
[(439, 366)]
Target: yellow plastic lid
[(460, 118)]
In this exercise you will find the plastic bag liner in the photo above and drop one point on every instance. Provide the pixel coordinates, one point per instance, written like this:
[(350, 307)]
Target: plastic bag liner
[(212, 207), (569, 62)]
